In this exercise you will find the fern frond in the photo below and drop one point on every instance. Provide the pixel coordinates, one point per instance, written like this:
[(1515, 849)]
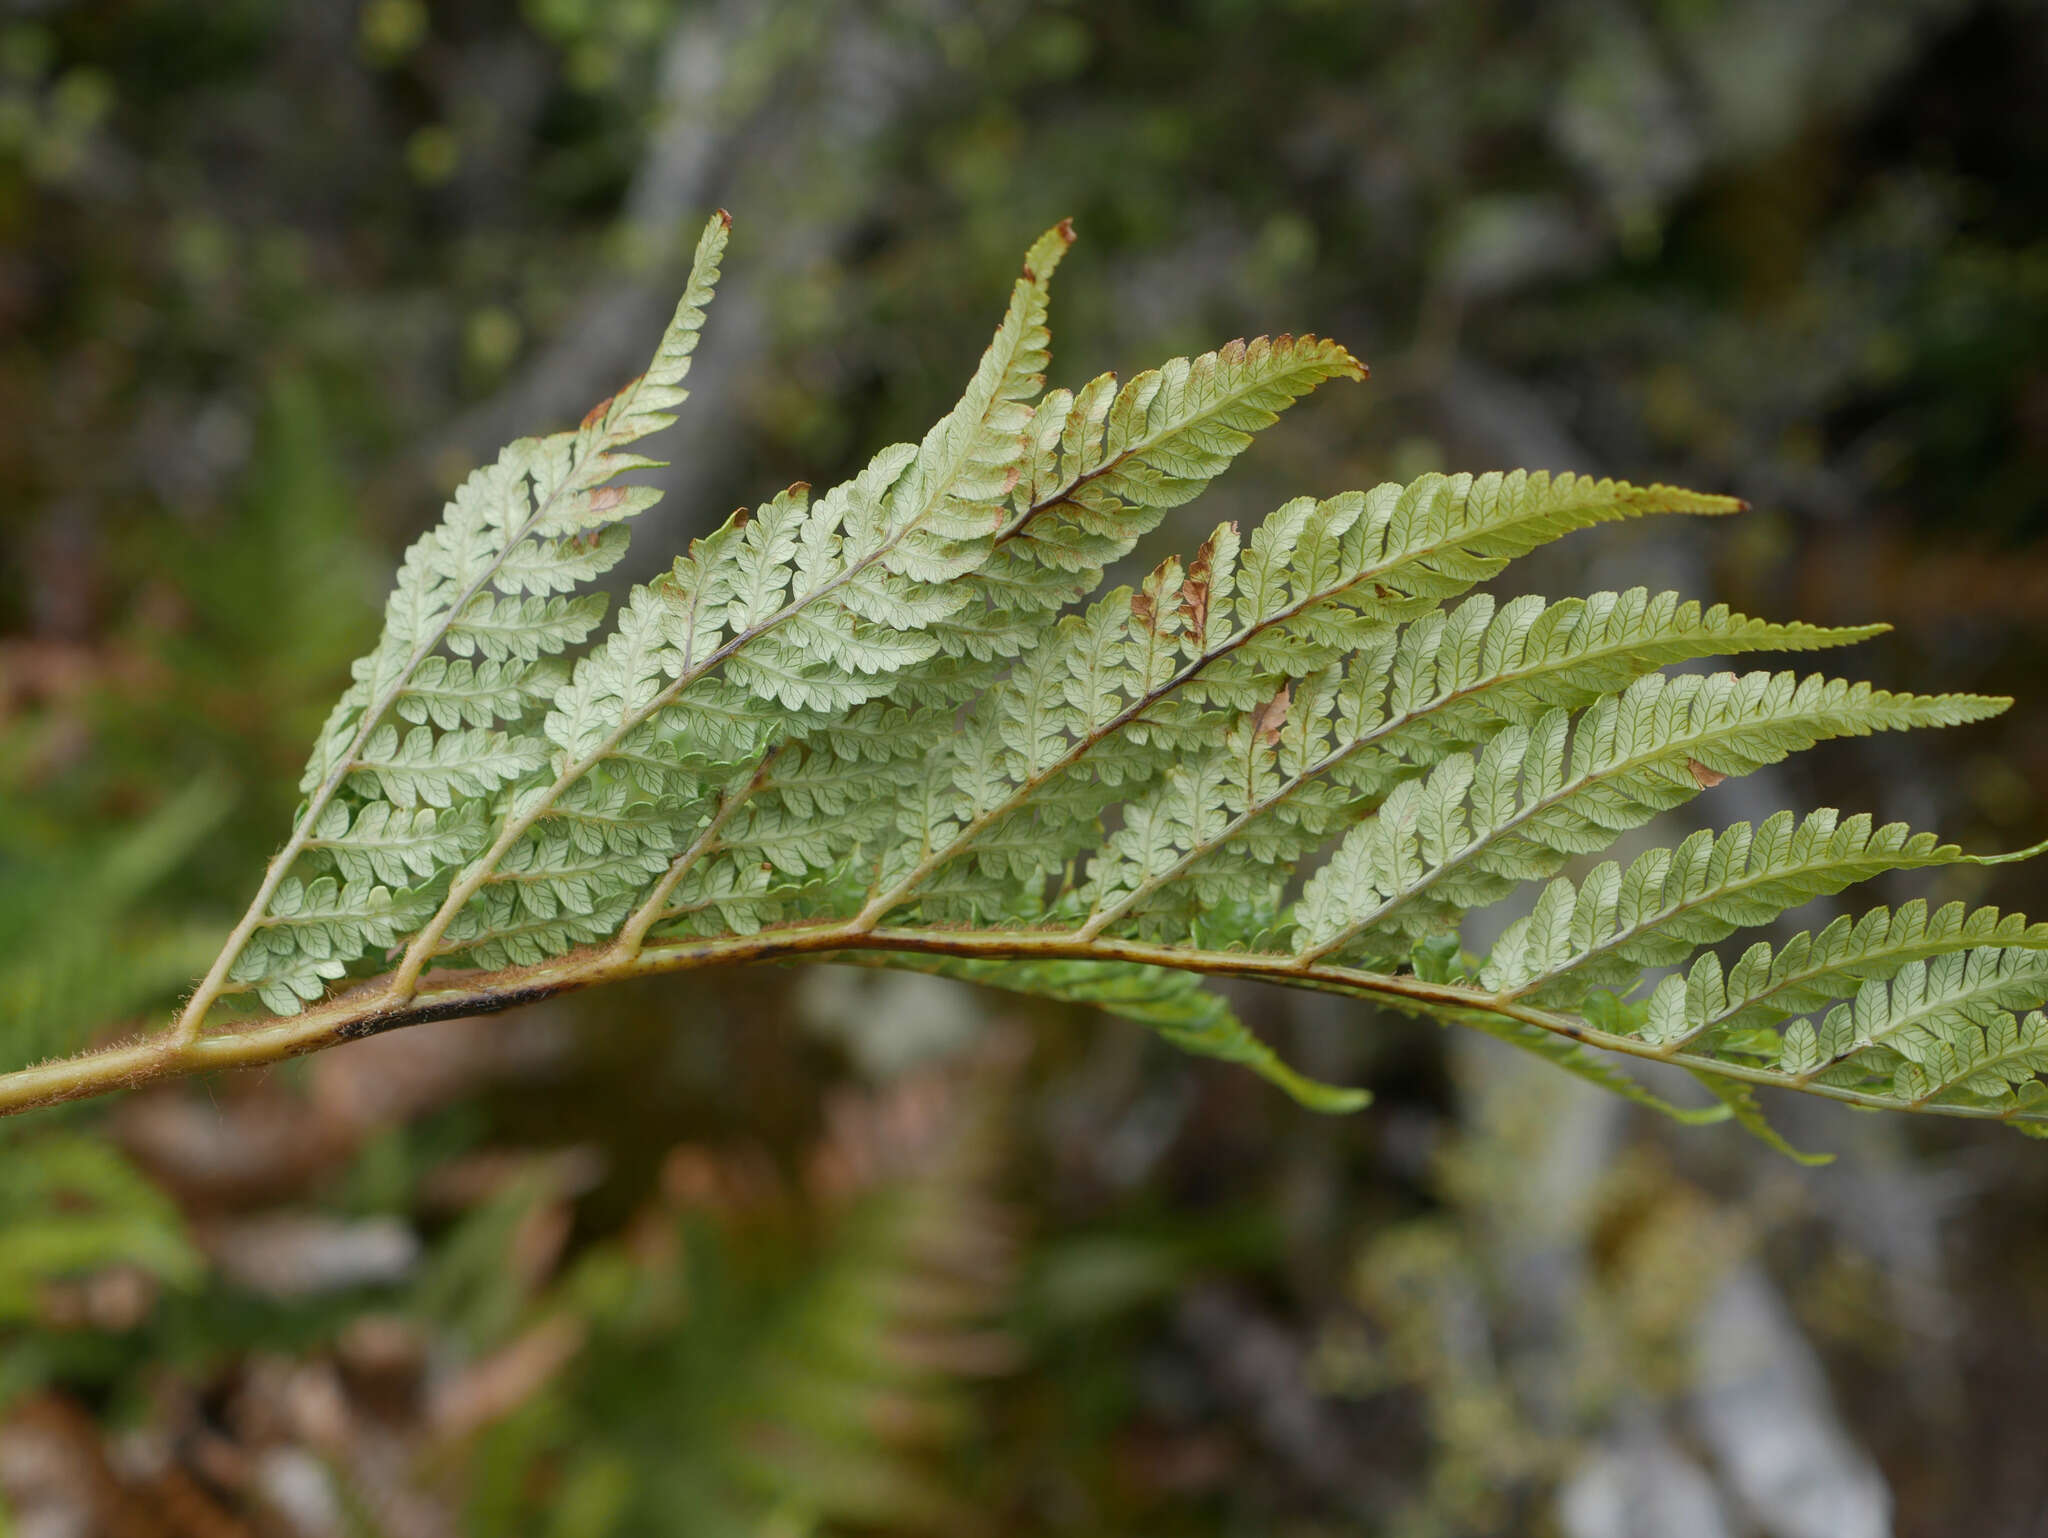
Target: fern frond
[(1995, 1064), (1402, 703), (1107, 463), (900, 722), (1669, 902), (314, 929), (1770, 984), (544, 519), (452, 692), (522, 628), (394, 845), (423, 769), (800, 605), (1313, 584), (1926, 1008), (1481, 824)]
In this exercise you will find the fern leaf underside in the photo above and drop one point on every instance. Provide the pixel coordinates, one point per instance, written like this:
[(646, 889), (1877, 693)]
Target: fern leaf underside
[(900, 721)]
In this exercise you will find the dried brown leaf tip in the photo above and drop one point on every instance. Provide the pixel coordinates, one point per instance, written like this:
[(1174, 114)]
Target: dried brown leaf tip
[(1702, 776), (1272, 716), (1156, 605), (596, 413), (1194, 591), (605, 498), (1063, 232)]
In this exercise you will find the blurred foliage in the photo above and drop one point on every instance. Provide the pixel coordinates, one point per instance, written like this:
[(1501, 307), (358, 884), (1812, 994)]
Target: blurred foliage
[(770, 1358), (61, 979), (272, 273), (1510, 1378)]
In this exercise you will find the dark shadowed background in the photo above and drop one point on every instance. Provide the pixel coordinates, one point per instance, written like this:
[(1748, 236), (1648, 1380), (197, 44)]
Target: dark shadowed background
[(825, 1253)]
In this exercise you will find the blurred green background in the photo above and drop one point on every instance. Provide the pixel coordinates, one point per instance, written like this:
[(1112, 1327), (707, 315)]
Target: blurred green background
[(831, 1253)]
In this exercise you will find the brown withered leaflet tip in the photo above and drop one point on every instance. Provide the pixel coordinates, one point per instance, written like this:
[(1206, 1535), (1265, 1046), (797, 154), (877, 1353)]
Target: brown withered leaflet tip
[(1272, 716), (1194, 592)]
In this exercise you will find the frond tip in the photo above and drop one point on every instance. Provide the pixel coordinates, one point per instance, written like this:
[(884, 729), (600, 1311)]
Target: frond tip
[(902, 721)]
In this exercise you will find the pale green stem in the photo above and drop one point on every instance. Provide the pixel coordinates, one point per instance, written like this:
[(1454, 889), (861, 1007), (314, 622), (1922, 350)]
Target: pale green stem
[(378, 1007)]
